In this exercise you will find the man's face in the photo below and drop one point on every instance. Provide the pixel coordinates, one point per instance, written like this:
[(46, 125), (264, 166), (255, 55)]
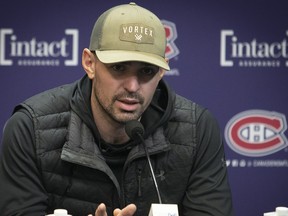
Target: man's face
[(123, 91)]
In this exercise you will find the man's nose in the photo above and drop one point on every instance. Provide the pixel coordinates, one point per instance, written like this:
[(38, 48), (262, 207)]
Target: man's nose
[(132, 83)]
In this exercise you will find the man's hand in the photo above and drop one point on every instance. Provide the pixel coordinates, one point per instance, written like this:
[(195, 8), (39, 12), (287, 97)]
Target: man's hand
[(129, 210)]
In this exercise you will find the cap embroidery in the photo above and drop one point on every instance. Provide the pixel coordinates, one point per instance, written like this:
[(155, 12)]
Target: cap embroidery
[(138, 37), (137, 33)]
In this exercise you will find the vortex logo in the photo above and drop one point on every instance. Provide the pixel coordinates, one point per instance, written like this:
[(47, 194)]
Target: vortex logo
[(256, 133)]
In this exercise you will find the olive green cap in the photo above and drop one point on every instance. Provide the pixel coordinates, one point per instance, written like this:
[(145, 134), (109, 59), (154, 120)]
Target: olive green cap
[(129, 33)]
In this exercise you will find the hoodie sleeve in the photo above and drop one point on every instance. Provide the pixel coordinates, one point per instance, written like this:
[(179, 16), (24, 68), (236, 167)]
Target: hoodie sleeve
[(21, 189)]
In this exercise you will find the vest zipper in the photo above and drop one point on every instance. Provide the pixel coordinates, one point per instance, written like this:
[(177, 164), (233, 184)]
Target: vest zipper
[(139, 181)]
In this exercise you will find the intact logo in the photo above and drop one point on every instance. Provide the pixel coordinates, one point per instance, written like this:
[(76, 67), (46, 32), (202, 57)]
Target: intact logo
[(256, 133), (171, 35), (14, 50), (243, 52)]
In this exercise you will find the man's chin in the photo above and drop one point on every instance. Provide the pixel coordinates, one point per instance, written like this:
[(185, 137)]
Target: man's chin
[(124, 118)]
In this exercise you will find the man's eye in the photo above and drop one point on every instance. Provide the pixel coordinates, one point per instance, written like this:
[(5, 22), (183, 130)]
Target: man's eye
[(148, 71), (118, 67)]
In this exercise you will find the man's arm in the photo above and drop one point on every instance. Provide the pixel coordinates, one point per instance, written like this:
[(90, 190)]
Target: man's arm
[(21, 188), (208, 192)]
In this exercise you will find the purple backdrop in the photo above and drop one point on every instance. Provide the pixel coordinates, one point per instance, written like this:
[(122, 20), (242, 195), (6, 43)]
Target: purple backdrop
[(230, 56)]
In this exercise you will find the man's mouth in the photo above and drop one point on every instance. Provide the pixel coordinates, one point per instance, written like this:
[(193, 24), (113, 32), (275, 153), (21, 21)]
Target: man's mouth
[(128, 104)]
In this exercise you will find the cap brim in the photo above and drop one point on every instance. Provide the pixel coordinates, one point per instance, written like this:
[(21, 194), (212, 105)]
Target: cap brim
[(114, 56)]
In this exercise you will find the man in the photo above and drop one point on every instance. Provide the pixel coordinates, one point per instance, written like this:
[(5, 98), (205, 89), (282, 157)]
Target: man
[(67, 147)]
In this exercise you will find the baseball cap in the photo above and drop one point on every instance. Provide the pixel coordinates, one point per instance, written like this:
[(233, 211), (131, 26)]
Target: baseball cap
[(129, 32)]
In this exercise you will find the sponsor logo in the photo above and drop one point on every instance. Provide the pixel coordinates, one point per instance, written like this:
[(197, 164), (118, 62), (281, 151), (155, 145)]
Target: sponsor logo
[(171, 49), (235, 51), (256, 133), (137, 33), (35, 52)]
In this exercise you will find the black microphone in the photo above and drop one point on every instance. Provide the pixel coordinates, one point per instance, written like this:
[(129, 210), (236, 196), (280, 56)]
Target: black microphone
[(135, 131)]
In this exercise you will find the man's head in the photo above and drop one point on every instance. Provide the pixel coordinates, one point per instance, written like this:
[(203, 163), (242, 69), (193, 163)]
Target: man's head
[(125, 61), (129, 33)]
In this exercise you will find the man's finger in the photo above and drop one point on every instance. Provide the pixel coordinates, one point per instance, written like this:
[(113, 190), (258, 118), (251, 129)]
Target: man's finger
[(116, 212), (101, 210), (129, 210)]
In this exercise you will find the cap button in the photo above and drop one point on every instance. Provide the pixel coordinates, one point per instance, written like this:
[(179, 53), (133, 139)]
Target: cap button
[(132, 3)]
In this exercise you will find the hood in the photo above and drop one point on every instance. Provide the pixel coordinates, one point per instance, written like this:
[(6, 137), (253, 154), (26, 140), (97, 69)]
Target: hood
[(160, 109)]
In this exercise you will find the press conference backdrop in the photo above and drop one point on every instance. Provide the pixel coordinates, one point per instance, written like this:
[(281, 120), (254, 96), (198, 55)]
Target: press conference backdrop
[(229, 56)]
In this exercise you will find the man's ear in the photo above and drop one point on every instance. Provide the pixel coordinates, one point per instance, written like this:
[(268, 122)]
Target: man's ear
[(162, 71), (88, 63)]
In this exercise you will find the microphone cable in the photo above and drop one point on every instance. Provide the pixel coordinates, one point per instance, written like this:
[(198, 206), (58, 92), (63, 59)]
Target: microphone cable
[(135, 131)]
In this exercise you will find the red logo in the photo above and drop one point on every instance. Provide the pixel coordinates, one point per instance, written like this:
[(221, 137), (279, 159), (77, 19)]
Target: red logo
[(256, 133), (171, 35)]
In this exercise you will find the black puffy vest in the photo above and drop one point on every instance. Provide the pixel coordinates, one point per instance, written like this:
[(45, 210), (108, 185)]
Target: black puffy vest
[(75, 174)]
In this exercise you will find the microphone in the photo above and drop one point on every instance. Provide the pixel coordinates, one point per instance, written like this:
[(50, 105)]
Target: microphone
[(135, 131)]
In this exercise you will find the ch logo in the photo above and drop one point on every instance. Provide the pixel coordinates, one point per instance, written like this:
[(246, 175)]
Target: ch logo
[(256, 133), (171, 35)]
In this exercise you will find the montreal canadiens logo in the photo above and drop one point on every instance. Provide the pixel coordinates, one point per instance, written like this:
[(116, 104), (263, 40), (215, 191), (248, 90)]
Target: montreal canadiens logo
[(256, 133), (171, 35)]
